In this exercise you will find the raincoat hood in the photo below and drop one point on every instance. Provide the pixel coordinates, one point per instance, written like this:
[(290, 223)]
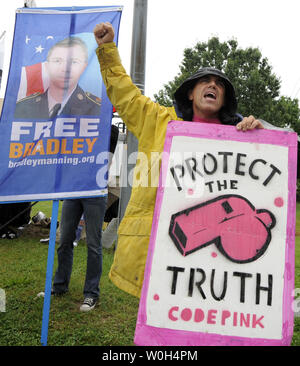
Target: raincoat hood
[(183, 104)]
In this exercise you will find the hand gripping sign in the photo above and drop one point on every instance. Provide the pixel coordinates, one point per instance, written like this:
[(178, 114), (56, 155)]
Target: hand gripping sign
[(220, 266)]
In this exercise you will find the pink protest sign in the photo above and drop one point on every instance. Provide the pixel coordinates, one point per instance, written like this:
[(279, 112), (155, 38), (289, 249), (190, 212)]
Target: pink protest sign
[(220, 266)]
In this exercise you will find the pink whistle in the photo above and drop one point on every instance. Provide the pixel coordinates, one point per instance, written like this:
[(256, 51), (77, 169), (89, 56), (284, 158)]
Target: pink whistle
[(231, 222)]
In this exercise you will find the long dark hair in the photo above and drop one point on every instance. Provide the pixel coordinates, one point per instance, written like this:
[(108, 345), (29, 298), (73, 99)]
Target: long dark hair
[(225, 117)]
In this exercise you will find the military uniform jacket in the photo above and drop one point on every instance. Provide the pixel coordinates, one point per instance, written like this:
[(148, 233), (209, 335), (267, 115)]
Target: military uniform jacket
[(35, 106)]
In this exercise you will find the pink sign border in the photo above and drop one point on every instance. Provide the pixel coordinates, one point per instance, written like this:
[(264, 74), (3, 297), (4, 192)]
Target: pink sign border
[(146, 335)]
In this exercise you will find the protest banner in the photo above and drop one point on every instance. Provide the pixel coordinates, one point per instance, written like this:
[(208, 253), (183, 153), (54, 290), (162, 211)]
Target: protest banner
[(56, 117), (220, 266), (50, 149)]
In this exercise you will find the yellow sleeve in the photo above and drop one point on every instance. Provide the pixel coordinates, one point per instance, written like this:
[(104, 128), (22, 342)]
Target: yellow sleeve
[(133, 107)]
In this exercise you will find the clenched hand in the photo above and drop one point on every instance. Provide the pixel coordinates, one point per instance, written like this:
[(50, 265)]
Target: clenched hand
[(104, 33)]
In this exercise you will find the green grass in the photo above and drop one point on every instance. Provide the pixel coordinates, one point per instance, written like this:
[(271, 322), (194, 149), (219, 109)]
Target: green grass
[(23, 263), (22, 276)]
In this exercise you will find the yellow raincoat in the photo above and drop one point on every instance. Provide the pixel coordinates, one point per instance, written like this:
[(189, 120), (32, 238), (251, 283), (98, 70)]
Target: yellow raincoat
[(148, 121)]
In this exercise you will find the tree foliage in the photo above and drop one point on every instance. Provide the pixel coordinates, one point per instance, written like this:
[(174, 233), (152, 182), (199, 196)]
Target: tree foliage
[(257, 87)]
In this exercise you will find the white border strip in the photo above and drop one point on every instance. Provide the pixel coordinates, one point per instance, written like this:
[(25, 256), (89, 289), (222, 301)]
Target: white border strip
[(56, 11), (53, 196)]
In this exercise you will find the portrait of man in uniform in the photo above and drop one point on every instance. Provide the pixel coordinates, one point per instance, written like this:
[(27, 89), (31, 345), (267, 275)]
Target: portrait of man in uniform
[(66, 62)]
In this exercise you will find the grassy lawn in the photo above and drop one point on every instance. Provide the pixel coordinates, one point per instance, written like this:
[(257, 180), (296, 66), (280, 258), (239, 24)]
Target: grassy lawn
[(22, 275)]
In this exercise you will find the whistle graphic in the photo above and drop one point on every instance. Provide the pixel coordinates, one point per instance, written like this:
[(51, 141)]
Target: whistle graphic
[(231, 222)]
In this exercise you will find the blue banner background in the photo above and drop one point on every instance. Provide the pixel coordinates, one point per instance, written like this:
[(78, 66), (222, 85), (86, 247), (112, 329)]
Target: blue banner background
[(36, 176)]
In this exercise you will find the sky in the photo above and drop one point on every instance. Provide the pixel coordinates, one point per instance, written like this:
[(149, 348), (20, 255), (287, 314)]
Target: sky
[(173, 25)]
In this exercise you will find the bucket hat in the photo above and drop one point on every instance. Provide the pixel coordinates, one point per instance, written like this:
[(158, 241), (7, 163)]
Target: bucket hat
[(181, 97)]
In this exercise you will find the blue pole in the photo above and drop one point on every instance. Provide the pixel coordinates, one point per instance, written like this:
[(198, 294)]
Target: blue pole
[(49, 273)]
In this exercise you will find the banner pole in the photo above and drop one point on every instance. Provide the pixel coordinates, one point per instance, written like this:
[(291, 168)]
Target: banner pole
[(137, 73), (49, 273)]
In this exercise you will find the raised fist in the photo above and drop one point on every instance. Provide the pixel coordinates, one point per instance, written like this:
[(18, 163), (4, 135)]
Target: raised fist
[(104, 33)]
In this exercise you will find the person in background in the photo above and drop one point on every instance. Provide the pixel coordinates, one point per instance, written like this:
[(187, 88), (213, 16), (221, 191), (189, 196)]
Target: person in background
[(208, 96), (93, 210)]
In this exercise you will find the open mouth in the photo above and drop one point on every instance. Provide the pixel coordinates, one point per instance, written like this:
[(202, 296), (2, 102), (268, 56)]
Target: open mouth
[(210, 95)]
